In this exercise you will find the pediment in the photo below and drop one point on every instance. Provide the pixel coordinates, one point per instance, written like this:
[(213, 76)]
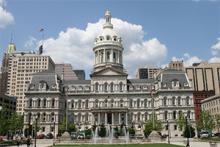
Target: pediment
[(109, 72)]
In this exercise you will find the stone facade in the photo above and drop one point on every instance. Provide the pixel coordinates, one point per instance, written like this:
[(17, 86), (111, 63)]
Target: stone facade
[(111, 98)]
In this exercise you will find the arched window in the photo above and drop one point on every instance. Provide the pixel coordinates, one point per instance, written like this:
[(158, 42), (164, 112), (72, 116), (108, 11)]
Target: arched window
[(87, 103), (30, 102), (79, 104), (44, 102), (173, 101), (96, 86), (108, 56), (146, 115), (29, 117), (179, 101), (53, 103), (96, 103), (188, 114), (72, 104), (145, 103), (112, 103), (165, 115), (165, 101), (52, 117), (131, 103), (174, 114), (121, 103), (111, 87), (120, 86), (187, 101), (44, 117), (106, 103), (38, 103), (114, 57), (138, 103), (105, 86)]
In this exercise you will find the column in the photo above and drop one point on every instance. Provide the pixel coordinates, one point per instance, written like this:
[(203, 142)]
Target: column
[(98, 118), (105, 118), (104, 56), (126, 116), (119, 118), (112, 118)]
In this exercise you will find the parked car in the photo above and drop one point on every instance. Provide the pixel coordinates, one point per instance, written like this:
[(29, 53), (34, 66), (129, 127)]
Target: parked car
[(49, 136), (41, 136), (217, 134), (205, 134)]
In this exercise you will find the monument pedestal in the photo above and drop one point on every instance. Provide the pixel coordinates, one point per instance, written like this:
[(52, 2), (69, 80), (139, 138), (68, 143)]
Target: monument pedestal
[(154, 136), (65, 136)]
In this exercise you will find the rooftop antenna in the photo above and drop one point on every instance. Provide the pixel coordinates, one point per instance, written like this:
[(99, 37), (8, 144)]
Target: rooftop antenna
[(11, 39), (42, 41)]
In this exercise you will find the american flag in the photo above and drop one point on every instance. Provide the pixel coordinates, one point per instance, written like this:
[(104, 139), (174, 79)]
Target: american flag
[(41, 30)]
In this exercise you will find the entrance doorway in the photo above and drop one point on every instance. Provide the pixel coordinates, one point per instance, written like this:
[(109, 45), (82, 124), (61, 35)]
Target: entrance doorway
[(109, 118)]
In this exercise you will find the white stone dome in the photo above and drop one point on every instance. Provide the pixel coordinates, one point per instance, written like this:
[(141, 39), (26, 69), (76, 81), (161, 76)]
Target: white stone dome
[(108, 34)]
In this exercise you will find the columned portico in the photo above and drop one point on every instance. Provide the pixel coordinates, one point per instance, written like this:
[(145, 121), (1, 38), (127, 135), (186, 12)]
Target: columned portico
[(113, 118)]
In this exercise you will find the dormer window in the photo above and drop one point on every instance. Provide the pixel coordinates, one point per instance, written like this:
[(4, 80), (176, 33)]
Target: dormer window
[(101, 38), (43, 85), (115, 38), (31, 87), (107, 37)]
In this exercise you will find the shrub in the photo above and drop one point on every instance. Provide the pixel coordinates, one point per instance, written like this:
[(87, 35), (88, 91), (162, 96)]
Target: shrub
[(189, 132), (102, 131)]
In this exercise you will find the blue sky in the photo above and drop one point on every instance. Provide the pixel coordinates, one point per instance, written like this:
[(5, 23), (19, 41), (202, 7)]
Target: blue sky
[(183, 26)]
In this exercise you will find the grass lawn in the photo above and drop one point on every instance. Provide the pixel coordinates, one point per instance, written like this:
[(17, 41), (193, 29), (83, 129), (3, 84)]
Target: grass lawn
[(118, 145)]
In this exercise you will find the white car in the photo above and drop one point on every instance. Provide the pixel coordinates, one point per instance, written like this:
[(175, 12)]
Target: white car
[(204, 134)]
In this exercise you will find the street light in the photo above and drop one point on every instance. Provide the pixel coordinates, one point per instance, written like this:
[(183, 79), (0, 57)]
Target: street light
[(54, 135), (168, 129), (187, 142), (35, 132)]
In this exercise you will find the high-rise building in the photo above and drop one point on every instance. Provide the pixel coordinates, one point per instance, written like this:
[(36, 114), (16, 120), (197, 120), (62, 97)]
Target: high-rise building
[(66, 72), (17, 69), (177, 65), (204, 78), (80, 74), (147, 73)]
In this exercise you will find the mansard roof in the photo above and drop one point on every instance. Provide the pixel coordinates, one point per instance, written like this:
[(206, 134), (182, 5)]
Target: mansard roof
[(169, 75), (76, 82), (140, 81), (48, 77)]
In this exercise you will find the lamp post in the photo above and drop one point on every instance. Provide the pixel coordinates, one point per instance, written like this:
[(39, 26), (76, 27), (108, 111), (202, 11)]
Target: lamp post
[(54, 134), (35, 132), (187, 141), (168, 129)]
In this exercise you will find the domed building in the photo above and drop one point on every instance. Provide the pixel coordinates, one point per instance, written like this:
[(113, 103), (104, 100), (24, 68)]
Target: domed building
[(109, 97)]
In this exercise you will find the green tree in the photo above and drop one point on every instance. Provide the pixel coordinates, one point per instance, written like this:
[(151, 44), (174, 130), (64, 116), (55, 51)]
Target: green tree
[(181, 121), (189, 131), (152, 124), (62, 126), (102, 131), (71, 127), (217, 120), (16, 122), (4, 119), (205, 122)]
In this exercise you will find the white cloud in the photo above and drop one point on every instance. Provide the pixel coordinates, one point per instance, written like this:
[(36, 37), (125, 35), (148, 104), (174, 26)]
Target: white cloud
[(75, 46), (216, 47), (6, 18), (214, 60)]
